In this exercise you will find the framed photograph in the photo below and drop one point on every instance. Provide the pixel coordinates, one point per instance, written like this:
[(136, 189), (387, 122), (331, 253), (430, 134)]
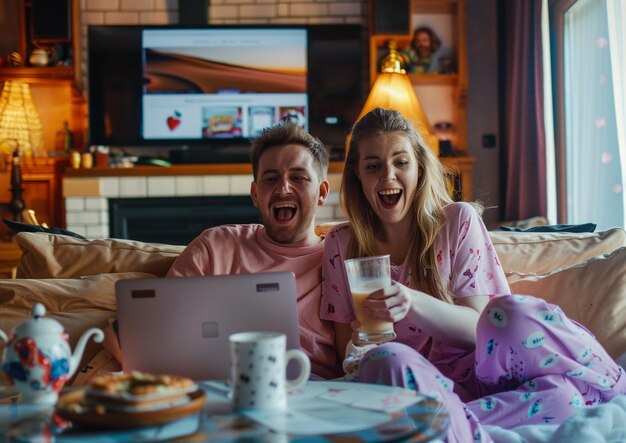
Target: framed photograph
[(432, 49)]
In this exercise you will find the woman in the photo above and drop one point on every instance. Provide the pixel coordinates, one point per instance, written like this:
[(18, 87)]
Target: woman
[(492, 358)]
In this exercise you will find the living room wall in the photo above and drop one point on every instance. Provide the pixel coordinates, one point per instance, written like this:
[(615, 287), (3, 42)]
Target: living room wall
[(482, 56), (482, 103)]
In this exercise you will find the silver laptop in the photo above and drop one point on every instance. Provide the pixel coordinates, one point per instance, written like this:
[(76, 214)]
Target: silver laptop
[(181, 325)]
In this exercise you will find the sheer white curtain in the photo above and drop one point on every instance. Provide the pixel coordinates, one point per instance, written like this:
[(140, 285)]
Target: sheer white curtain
[(616, 14), (548, 106), (593, 161)]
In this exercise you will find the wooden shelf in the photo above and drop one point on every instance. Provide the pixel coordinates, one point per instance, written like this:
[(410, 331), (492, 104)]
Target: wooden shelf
[(434, 79), (34, 74)]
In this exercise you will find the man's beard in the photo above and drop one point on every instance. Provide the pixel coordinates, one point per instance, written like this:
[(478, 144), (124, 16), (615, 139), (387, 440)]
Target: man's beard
[(286, 236)]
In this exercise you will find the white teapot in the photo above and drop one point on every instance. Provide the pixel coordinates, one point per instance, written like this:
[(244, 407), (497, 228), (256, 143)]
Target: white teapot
[(38, 360)]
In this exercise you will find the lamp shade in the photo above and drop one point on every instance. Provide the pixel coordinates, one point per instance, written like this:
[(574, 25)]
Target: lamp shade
[(19, 119), (393, 90)]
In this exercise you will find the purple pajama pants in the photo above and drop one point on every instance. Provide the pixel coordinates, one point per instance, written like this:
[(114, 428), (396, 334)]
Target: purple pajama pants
[(532, 365)]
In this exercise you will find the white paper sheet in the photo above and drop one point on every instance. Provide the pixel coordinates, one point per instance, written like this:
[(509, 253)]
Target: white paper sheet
[(320, 408)]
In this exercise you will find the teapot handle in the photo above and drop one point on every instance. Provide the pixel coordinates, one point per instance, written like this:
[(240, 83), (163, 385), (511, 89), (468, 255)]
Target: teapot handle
[(80, 347)]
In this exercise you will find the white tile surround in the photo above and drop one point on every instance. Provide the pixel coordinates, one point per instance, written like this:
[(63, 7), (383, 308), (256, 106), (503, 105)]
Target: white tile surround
[(87, 207)]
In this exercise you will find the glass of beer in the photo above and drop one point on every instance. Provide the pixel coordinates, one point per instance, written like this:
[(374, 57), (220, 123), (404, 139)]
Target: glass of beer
[(365, 275)]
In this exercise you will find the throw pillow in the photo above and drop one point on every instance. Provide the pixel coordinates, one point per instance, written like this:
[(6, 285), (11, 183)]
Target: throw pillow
[(592, 292), (542, 252), (60, 256)]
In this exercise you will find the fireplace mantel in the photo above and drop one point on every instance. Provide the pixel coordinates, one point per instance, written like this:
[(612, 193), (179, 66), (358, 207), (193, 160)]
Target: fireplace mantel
[(197, 169)]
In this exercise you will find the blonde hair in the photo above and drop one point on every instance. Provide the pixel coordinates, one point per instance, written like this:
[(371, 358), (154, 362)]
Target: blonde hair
[(430, 198)]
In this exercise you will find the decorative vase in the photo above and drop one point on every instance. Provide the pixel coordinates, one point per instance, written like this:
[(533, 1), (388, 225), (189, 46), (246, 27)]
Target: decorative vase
[(39, 57)]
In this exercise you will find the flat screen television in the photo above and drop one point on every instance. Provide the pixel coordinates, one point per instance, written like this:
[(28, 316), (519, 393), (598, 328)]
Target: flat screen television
[(206, 91)]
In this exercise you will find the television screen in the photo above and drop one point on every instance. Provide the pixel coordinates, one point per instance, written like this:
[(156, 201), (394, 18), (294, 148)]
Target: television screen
[(222, 83), (213, 88)]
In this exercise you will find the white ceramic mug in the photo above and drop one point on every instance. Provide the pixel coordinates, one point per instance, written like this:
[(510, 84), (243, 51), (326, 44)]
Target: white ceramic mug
[(258, 368)]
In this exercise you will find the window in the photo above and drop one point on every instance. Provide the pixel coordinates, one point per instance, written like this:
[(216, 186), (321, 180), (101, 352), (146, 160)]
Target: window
[(587, 75)]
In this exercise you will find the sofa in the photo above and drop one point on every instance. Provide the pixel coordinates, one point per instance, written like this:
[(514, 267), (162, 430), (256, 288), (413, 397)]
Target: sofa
[(584, 273)]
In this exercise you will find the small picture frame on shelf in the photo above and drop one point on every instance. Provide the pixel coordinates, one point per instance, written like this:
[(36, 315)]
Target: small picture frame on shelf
[(432, 49)]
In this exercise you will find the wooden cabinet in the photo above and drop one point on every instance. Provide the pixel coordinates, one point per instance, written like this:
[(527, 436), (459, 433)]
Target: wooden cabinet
[(55, 88), (42, 183), (43, 188), (35, 25)]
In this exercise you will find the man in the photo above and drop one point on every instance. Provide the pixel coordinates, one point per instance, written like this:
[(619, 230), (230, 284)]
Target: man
[(424, 45), (289, 169)]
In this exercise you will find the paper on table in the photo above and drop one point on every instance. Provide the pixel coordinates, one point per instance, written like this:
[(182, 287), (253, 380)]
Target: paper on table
[(323, 418), (374, 401), (334, 407)]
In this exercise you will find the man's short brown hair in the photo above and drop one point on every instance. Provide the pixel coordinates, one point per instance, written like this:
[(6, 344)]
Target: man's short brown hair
[(289, 133)]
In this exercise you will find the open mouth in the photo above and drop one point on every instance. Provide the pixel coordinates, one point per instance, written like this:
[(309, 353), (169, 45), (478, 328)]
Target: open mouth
[(389, 197), (285, 211)]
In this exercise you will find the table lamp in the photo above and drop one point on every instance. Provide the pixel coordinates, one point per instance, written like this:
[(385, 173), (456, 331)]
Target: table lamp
[(393, 90), (19, 119)]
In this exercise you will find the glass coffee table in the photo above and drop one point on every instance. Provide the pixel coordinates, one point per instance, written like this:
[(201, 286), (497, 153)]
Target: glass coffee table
[(321, 411)]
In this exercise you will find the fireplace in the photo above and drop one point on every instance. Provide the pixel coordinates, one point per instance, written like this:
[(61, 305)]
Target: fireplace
[(171, 205), (176, 220)]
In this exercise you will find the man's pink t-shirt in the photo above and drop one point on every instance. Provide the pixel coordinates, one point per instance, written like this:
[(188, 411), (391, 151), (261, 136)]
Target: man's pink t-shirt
[(465, 258), (245, 249)]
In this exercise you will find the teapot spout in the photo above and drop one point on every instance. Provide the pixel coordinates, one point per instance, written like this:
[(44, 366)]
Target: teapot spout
[(80, 347)]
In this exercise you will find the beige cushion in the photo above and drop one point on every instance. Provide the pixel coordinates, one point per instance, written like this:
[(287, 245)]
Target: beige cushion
[(541, 252), (592, 293), (78, 304), (61, 256)]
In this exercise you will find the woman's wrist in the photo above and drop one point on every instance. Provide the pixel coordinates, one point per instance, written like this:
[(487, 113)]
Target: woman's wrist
[(418, 300)]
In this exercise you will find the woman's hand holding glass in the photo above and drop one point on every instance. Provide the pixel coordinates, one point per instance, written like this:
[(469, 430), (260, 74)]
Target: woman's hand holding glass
[(390, 304), (367, 275)]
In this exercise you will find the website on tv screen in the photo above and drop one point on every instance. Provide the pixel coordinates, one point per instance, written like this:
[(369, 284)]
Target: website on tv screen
[(222, 83)]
